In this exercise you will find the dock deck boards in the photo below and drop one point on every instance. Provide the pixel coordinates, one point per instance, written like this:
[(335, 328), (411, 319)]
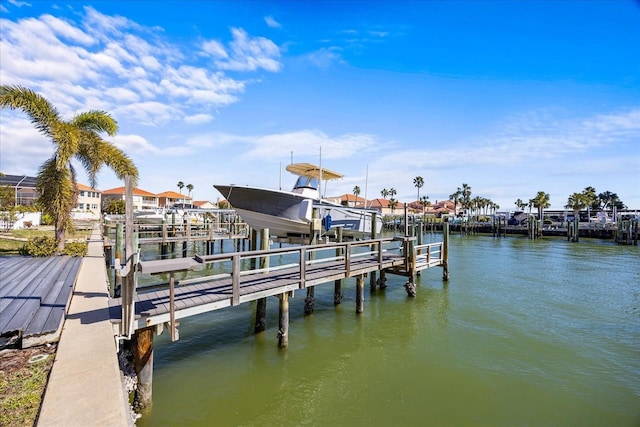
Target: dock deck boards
[(209, 293), (34, 296)]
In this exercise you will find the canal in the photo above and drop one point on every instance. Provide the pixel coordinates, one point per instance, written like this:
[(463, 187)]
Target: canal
[(526, 332)]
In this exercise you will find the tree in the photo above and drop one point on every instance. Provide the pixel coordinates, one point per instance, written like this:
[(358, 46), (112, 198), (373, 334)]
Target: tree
[(76, 139), (384, 193), (393, 203), (466, 197), (115, 207), (456, 198), (424, 201), (190, 189), (520, 204), (392, 192), (541, 201), (576, 202), (418, 181)]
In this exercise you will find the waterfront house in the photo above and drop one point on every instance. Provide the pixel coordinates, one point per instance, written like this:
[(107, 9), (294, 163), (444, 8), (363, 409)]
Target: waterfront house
[(169, 198), (142, 199)]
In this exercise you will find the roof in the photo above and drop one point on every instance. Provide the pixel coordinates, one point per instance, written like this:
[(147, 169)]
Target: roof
[(352, 198), (173, 195), (13, 180), (86, 188), (120, 191), (309, 169)]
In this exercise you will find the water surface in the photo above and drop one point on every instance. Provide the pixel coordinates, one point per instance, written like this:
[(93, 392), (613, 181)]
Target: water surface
[(543, 332)]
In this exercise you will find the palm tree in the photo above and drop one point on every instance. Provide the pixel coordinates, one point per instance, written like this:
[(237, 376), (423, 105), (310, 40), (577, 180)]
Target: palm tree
[(418, 181), (392, 192), (541, 201), (466, 196), (384, 193), (392, 204), (577, 201), (424, 201), (356, 192), (520, 204), (190, 189), (456, 198), (80, 139)]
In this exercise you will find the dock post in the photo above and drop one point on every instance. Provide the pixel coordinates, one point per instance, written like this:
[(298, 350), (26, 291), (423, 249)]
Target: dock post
[(337, 289), (119, 254), (445, 250), (310, 299), (283, 320), (374, 235), (410, 261), (143, 362), (360, 294), (261, 305)]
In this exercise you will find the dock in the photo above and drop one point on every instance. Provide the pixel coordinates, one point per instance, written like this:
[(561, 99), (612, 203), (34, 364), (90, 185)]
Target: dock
[(310, 266), (34, 297), (226, 280)]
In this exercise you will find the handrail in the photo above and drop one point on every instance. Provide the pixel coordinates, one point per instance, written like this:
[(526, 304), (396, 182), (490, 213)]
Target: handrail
[(303, 259)]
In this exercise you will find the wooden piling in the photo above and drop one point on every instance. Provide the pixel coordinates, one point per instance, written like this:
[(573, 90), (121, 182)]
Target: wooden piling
[(283, 320), (445, 250), (143, 363), (374, 235), (359, 294), (261, 304), (337, 289), (310, 299)]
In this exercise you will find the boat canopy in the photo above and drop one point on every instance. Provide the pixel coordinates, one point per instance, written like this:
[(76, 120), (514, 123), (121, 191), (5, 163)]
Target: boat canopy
[(311, 170)]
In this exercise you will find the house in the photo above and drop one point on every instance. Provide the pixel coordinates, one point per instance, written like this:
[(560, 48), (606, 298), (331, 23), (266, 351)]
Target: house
[(142, 199), (203, 204), (351, 200), (384, 207), (89, 199), (23, 188), (169, 198)]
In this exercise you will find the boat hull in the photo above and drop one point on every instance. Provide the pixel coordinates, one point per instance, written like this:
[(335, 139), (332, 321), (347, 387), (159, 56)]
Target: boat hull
[(279, 211)]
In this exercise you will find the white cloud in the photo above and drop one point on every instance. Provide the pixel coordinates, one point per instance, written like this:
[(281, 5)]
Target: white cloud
[(198, 119), (271, 22), (245, 53)]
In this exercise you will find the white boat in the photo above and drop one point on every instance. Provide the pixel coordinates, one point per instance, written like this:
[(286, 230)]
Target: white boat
[(290, 213)]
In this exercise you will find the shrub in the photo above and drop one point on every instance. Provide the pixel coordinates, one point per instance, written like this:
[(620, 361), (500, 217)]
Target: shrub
[(75, 249), (46, 219), (46, 246), (40, 247)]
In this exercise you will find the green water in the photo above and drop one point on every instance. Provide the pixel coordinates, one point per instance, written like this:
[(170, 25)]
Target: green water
[(525, 333)]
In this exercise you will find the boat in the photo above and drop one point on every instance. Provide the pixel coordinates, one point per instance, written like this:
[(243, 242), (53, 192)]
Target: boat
[(290, 213)]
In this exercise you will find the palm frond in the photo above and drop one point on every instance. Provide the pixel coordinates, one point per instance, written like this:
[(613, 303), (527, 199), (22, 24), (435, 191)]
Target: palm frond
[(96, 121), (42, 114)]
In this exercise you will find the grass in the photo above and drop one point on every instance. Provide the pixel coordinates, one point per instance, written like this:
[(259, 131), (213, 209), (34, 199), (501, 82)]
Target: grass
[(22, 385), (10, 246)]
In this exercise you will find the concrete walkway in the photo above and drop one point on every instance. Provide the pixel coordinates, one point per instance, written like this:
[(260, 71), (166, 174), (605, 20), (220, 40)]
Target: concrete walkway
[(85, 388)]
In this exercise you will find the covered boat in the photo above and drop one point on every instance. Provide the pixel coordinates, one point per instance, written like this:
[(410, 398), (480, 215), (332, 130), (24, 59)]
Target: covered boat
[(289, 213)]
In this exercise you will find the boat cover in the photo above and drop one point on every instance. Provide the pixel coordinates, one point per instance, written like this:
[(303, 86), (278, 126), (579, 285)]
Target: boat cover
[(309, 169)]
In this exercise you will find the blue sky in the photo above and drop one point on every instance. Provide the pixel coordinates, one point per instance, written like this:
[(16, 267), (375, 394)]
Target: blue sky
[(509, 97)]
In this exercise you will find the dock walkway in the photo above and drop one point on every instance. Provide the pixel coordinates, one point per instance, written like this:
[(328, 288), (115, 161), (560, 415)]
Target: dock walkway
[(85, 386), (304, 267)]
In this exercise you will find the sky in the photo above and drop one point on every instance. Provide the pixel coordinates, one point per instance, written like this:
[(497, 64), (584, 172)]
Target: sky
[(508, 97)]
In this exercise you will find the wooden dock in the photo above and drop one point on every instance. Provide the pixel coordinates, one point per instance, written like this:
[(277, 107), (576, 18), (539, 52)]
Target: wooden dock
[(251, 275), (34, 296)]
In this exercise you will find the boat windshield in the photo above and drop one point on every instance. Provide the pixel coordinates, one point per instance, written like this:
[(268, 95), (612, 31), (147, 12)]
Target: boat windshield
[(306, 182)]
